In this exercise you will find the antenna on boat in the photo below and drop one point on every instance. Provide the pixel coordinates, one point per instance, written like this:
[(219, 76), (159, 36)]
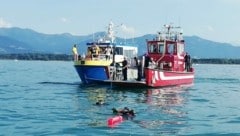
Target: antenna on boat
[(111, 37), (169, 32)]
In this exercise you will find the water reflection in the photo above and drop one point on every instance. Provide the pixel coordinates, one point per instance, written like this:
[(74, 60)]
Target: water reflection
[(161, 109), (165, 96), (166, 108), (97, 95)]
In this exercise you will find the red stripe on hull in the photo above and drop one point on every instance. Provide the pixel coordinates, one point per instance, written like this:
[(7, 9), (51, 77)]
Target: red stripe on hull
[(159, 78)]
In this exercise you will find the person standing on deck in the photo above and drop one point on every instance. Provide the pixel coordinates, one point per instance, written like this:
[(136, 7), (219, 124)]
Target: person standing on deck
[(152, 63), (124, 68), (147, 60), (187, 60), (75, 52), (97, 50), (94, 51), (139, 68), (108, 51)]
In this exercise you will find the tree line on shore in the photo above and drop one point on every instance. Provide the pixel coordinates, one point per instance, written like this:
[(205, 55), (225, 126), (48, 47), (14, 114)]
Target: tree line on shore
[(36, 56), (67, 57)]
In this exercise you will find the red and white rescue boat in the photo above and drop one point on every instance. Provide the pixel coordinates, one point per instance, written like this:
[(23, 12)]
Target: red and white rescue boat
[(169, 63)]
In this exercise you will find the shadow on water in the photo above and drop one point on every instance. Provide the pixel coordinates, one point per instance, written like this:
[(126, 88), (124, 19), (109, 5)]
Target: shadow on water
[(161, 109), (58, 83)]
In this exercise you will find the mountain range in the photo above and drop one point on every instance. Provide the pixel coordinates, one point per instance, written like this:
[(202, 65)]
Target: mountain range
[(18, 40)]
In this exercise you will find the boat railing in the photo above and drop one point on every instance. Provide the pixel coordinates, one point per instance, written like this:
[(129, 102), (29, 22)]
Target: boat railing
[(166, 66), (98, 57), (115, 72)]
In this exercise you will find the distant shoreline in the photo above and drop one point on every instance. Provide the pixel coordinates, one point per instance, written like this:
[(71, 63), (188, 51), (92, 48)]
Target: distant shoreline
[(67, 57), (36, 56), (216, 61)]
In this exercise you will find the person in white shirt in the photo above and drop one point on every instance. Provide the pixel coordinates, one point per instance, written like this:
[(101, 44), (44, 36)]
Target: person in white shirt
[(152, 63), (108, 51)]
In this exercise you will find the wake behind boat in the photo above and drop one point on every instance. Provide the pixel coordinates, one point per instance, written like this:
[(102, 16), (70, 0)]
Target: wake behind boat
[(165, 64)]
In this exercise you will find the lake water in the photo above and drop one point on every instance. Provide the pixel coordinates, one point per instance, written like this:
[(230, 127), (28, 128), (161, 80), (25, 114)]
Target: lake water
[(46, 98)]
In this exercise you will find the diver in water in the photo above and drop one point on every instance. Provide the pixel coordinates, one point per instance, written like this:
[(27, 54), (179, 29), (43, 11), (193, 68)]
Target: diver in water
[(126, 113), (100, 102)]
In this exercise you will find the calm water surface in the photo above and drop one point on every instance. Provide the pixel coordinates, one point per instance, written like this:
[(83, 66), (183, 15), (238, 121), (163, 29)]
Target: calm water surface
[(47, 98)]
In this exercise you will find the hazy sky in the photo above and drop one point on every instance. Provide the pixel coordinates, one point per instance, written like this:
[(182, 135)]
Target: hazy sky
[(217, 20)]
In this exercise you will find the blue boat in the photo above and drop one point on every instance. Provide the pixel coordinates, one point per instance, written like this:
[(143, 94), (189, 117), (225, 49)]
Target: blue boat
[(103, 60)]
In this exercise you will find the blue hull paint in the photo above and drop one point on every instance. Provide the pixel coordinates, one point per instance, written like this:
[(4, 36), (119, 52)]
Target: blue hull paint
[(92, 74)]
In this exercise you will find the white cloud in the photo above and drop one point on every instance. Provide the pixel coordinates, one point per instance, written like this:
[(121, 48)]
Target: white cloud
[(128, 30), (4, 23)]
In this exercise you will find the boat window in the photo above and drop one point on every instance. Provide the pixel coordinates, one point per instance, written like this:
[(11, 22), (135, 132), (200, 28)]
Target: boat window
[(156, 48), (161, 48), (119, 51), (129, 53), (171, 49), (180, 49), (152, 48)]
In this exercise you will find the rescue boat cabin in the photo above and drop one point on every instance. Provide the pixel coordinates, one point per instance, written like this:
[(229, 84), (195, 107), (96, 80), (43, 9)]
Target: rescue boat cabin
[(167, 51)]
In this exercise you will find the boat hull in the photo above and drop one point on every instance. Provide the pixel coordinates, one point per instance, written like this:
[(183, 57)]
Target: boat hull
[(161, 78), (153, 77), (92, 74)]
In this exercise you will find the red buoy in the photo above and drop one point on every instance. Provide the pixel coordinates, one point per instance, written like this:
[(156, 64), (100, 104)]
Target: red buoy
[(113, 121)]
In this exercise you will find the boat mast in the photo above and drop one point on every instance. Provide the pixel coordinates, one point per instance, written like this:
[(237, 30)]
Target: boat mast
[(110, 37), (110, 32)]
